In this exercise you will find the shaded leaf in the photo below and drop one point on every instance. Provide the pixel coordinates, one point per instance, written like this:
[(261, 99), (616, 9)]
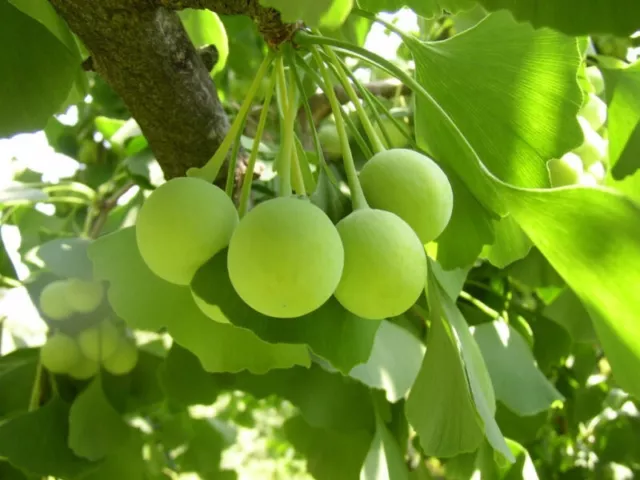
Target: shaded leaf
[(126, 462), (330, 331), (330, 455), (37, 442), (469, 228), (384, 460), (511, 243), (42, 72), (568, 311), (17, 371), (516, 380), (184, 380), (65, 257), (326, 400), (95, 428), (440, 407), (479, 381)]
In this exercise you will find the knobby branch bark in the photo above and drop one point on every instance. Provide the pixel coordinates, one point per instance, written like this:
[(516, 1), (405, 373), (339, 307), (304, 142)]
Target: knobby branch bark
[(142, 51)]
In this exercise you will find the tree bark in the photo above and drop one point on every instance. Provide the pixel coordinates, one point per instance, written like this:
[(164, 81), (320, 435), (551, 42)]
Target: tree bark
[(142, 51)]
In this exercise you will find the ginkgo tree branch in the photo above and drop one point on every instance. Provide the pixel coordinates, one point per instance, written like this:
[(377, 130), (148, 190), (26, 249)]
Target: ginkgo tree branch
[(140, 48)]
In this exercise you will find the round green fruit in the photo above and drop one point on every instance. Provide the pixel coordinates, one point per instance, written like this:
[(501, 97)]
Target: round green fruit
[(594, 75), (385, 265), (330, 140), (412, 186), (285, 258), (594, 111), (53, 301), (123, 360), (397, 138), (598, 171), (594, 147), (84, 369), (59, 353), (184, 223), (566, 170), (99, 341), (83, 296)]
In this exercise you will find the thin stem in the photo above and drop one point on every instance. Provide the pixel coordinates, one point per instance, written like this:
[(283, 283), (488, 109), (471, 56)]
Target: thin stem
[(307, 174), (375, 18), (375, 104), (233, 161), (357, 195), (36, 390), (210, 171), (483, 307), (349, 123), (353, 96), (296, 173), (251, 163), (284, 157), (489, 191)]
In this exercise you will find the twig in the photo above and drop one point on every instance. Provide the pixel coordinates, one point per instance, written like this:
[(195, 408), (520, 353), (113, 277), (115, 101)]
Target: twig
[(106, 206)]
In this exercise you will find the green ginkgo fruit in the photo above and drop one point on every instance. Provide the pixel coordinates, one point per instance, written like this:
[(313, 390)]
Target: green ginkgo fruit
[(285, 258), (412, 186), (123, 359), (84, 369), (183, 224), (84, 296), (330, 140), (397, 136), (60, 353), (566, 170), (594, 147), (99, 341), (385, 265), (53, 301)]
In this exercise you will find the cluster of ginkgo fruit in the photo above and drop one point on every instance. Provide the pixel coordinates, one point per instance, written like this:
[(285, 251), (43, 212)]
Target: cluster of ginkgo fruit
[(286, 258), (587, 164), (81, 355)]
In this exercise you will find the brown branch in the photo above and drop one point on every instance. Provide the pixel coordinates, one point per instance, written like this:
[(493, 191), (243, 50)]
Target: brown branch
[(105, 207), (143, 52)]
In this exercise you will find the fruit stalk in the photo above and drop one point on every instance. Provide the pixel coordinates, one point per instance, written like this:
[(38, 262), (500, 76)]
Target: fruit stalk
[(251, 163), (210, 171), (286, 98), (353, 96), (357, 195)]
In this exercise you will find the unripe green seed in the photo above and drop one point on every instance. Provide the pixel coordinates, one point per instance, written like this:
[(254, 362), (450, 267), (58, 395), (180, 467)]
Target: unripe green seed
[(330, 141), (59, 353), (123, 360), (385, 265), (53, 301), (83, 296), (397, 138), (594, 75), (99, 341), (412, 186), (594, 148), (285, 258), (84, 369), (566, 170), (184, 223), (595, 111)]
